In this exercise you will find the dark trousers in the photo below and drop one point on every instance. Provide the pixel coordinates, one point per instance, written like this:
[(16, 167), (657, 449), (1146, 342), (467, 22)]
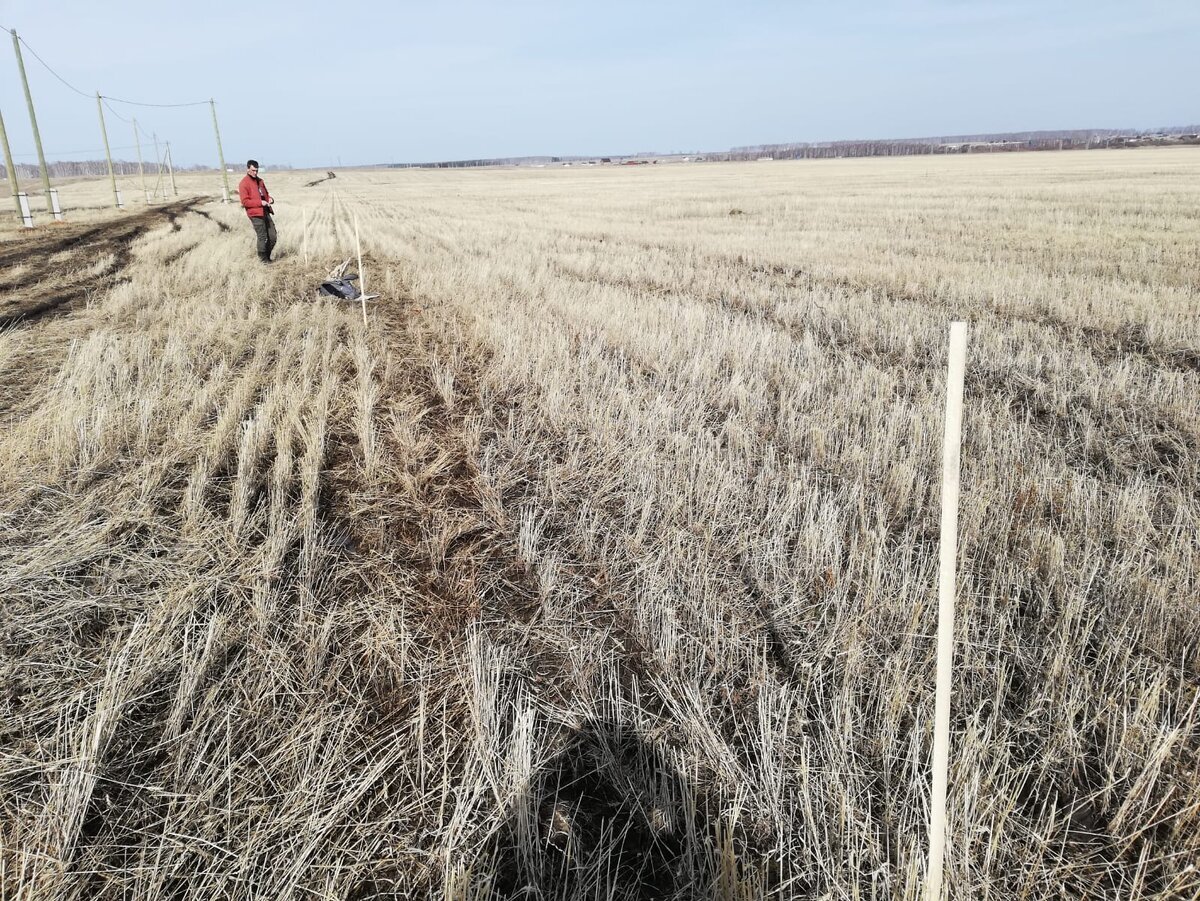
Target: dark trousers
[(264, 230)]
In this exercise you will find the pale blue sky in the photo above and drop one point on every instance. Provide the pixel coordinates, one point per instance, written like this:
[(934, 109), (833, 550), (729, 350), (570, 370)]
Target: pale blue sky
[(306, 82)]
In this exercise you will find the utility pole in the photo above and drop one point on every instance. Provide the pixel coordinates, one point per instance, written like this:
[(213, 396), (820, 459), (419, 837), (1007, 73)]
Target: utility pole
[(141, 171), (37, 136), (159, 160), (220, 152), (112, 176), (12, 170), (171, 171)]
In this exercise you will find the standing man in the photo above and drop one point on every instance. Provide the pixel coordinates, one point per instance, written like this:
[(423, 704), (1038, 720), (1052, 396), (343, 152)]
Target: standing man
[(257, 200)]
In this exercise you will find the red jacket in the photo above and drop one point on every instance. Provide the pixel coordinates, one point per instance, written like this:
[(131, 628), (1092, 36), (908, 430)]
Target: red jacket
[(254, 194)]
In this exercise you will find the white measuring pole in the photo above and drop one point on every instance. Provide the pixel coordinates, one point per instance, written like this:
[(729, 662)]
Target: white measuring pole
[(362, 276), (945, 640)]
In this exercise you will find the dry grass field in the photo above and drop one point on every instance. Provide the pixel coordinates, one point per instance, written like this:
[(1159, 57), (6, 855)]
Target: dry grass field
[(601, 562)]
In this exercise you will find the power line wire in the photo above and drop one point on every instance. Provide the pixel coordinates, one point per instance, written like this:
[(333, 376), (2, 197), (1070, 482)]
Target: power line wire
[(113, 111), (50, 70), (68, 152), (141, 131), (105, 96), (159, 105)]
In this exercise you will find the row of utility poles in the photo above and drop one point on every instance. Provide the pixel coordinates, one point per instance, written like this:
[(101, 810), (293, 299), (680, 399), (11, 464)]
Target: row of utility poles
[(137, 138), (20, 199)]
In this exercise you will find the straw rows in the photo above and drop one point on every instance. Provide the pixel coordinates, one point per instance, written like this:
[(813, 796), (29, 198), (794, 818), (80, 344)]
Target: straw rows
[(602, 562)]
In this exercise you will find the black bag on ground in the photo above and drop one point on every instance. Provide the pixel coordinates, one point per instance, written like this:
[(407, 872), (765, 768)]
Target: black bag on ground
[(342, 288)]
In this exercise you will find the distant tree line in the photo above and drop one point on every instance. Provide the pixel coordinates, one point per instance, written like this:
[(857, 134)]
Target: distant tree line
[(980, 143), (495, 161)]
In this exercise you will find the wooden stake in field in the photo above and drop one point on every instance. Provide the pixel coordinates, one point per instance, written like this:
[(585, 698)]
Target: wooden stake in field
[(304, 240), (362, 276), (946, 576)]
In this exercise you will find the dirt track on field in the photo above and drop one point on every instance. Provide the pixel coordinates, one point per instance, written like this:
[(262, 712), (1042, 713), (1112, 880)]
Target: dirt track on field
[(50, 269)]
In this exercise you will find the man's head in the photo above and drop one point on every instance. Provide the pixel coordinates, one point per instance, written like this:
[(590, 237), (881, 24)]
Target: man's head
[(252, 167)]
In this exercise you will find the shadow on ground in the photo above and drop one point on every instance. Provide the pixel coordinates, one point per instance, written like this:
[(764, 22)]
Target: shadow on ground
[(608, 817)]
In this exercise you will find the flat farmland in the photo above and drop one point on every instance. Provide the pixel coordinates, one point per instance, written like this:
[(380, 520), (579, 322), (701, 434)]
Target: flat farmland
[(600, 560)]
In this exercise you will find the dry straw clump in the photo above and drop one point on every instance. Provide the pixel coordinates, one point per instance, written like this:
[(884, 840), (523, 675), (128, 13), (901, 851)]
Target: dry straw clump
[(601, 564)]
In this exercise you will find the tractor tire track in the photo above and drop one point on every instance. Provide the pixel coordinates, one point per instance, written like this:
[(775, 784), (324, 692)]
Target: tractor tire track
[(115, 237)]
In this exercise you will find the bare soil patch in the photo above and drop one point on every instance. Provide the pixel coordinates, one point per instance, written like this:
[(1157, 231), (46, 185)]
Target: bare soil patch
[(42, 270)]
